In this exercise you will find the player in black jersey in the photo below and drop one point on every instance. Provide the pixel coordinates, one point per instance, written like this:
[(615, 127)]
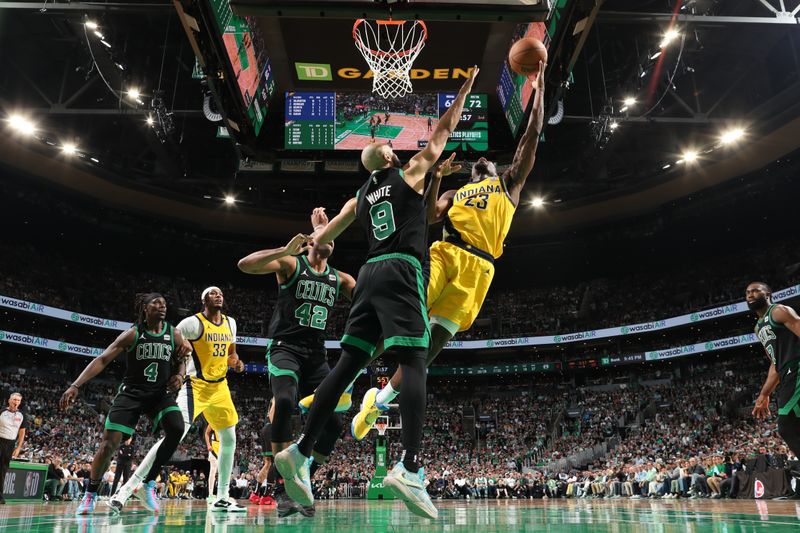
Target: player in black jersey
[(778, 329), (389, 302), (155, 356), (296, 359)]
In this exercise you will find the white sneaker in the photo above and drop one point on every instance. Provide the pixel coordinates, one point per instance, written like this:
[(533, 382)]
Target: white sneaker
[(293, 466), (227, 505), (410, 487)]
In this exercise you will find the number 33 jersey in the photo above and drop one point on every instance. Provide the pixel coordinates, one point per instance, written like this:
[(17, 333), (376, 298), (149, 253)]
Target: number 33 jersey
[(305, 301), (481, 215), (210, 346)]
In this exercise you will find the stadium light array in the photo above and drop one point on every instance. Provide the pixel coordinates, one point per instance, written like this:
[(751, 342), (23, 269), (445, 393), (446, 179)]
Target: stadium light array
[(100, 35), (613, 126), (133, 93), (655, 55), (537, 202), (150, 121), (670, 36), (22, 125), (230, 199), (731, 136), (69, 149), (627, 102), (90, 25), (689, 156), (105, 43)]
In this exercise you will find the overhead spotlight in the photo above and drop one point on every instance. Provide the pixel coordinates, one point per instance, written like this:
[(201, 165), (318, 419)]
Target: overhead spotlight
[(654, 56), (94, 159), (150, 120), (731, 136), (105, 43), (22, 124), (119, 66), (643, 73), (689, 156), (100, 35), (665, 167), (229, 199), (629, 101), (537, 202), (133, 93), (90, 25), (670, 36), (69, 149), (613, 126)]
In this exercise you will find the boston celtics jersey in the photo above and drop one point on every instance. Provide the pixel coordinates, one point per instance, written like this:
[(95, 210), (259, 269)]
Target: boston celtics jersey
[(481, 215), (210, 345), (782, 346), (149, 363), (304, 303), (393, 214)]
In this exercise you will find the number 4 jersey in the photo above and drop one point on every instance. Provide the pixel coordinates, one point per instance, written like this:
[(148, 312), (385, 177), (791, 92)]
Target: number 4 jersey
[(210, 346), (304, 303), (149, 360)]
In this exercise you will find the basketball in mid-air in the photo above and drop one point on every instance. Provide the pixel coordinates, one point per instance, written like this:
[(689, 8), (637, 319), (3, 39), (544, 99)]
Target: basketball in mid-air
[(525, 55)]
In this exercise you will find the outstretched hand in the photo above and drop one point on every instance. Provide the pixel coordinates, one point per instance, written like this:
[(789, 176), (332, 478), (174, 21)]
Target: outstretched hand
[(467, 87), (761, 409), (446, 167), (298, 244), (319, 217), (68, 398)]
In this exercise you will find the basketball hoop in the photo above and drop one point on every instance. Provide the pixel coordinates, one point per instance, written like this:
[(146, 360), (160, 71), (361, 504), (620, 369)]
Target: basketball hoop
[(390, 48), (382, 424)]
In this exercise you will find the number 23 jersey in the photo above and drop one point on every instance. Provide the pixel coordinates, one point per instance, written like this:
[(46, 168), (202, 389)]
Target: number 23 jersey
[(210, 345)]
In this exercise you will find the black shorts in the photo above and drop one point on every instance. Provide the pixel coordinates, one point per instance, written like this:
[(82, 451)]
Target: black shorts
[(788, 394), (389, 302), (129, 404), (308, 366)]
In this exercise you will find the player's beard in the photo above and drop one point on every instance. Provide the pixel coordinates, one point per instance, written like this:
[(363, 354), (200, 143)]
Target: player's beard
[(396, 161), (758, 303)]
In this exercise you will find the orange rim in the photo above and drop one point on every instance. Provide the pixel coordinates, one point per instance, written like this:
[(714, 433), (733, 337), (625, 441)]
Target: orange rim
[(381, 53)]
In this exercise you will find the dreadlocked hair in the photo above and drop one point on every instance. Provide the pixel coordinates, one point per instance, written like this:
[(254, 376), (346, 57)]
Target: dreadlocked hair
[(140, 304)]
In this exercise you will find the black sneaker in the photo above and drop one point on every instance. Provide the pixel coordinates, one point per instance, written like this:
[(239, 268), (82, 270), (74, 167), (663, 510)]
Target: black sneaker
[(286, 506), (308, 511)]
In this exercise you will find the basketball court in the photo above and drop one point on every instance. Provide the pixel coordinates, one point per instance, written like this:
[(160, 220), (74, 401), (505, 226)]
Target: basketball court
[(346, 516)]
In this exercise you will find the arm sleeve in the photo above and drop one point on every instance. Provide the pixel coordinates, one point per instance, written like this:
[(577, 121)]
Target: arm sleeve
[(190, 328), (234, 329)]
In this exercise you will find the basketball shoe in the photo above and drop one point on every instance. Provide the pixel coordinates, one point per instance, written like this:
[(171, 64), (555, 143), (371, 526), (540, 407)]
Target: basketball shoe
[(410, 487), (344, 404), (367, 415), (294, 468)]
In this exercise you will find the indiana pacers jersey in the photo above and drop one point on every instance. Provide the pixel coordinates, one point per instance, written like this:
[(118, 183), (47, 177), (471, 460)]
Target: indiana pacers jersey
[(210, 345), (481, 215)]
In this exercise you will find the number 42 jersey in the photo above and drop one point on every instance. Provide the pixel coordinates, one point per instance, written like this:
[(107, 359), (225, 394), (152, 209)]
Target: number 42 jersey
[(304, 304)]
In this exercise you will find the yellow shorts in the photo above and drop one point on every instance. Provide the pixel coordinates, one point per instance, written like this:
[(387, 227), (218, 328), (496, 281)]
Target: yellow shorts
[(458, 284), (211, 399)]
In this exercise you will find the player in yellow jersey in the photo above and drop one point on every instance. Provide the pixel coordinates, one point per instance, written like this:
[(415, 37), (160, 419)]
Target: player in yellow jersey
[(477, 218), (205, 390)]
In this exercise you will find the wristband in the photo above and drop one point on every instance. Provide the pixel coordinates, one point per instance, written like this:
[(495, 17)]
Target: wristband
[(73, 385)]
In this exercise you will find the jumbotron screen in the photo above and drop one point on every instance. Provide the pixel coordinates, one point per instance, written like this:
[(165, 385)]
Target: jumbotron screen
[(349, 121)]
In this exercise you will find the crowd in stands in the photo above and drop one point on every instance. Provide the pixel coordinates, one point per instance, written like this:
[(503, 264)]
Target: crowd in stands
[(684, 435), (352, 105), (521, 312)]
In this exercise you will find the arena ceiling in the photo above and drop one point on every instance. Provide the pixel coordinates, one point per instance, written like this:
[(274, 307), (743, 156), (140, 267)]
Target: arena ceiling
[(733, 64)]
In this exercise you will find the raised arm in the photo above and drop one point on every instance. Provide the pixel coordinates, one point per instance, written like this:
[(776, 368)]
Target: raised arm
[(124, 341), (347, 284), (437, 207), (419, 165), (516, 175), (335, 227), (277, 260)]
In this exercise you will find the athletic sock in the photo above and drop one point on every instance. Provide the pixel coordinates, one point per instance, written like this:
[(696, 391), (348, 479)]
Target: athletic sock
[(227, 448), (386, 394)]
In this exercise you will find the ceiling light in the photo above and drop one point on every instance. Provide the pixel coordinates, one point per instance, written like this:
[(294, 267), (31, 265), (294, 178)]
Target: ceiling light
[(99, 34), (69, 149), (94, 159), (150, 120), (629, 101), (613, 126), (731, 136), (665, 167), (654, 56), (22, 124), (105, 43), (119, 66), (134, 93), (689, 156), (90, 24), (230, 200), (537, 202), (670, 36)]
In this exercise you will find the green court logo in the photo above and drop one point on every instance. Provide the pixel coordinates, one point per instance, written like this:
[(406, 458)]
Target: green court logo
[(313, 71), (74, 317), (62, 346), (695, 317)]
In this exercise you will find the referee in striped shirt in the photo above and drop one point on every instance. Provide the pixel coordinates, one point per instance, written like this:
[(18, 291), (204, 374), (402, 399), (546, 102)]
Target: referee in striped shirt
[(12, 436)]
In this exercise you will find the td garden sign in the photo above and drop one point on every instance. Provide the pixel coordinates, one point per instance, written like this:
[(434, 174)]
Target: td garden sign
[(325, 72)]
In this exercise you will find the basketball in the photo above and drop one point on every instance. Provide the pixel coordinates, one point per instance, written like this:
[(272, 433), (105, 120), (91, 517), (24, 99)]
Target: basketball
[(525, 55)]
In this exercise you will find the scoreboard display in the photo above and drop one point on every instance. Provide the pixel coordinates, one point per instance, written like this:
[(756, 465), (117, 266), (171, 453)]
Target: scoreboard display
[(349, 121)]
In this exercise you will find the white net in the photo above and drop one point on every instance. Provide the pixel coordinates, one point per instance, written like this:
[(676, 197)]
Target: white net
[(390, 48)]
